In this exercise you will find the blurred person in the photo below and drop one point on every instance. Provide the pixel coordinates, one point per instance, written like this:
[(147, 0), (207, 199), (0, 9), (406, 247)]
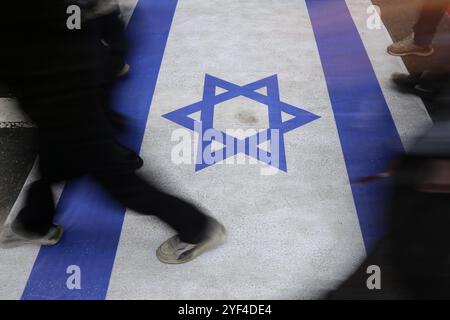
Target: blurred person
[(109, 16), (63, 81), (419, 42), (414, 254)]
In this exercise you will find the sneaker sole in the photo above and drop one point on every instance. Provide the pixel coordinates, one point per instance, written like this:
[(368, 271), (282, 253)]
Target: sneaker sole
[(217, 241), (420, 54)]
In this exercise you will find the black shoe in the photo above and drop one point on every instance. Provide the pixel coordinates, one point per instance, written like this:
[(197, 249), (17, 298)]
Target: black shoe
[(425, 85)]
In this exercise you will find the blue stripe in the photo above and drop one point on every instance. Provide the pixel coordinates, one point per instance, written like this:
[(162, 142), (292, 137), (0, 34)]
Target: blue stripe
[(366, 129), (92, 221)]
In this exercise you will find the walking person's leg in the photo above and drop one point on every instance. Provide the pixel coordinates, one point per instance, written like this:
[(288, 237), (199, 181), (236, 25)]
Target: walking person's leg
[(34, 222), (419, 42), (37, 214), (429, 19), (197, 232)]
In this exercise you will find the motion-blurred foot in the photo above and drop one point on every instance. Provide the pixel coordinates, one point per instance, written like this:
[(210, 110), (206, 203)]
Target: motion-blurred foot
[(407, 46), (405, 80), (124, 71), (14, 236), (425, 85), (175, 251)]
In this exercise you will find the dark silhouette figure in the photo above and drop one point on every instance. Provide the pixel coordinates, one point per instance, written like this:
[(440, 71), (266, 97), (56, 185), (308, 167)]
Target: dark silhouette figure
[(63, 80)]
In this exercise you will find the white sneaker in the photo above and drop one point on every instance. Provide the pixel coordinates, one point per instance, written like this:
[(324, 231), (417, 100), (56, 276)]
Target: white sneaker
[(175, 251), (11, 237)]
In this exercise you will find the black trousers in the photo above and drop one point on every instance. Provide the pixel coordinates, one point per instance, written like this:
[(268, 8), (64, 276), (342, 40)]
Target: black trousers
[(132, 192), (429, 19)]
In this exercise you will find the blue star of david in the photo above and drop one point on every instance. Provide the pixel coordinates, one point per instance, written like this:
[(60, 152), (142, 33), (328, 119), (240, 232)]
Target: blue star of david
[(210, 99)]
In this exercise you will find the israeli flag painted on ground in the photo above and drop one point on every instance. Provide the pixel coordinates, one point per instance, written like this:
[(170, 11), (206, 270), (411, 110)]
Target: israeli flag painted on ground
[(296, 96)]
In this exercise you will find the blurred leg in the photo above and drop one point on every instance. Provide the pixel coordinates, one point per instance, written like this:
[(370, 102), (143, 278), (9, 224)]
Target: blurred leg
[(37, 215), (139, 195), (429, 19)]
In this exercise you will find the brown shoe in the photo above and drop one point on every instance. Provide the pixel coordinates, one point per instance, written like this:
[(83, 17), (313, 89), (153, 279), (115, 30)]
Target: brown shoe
[(407, 46)]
